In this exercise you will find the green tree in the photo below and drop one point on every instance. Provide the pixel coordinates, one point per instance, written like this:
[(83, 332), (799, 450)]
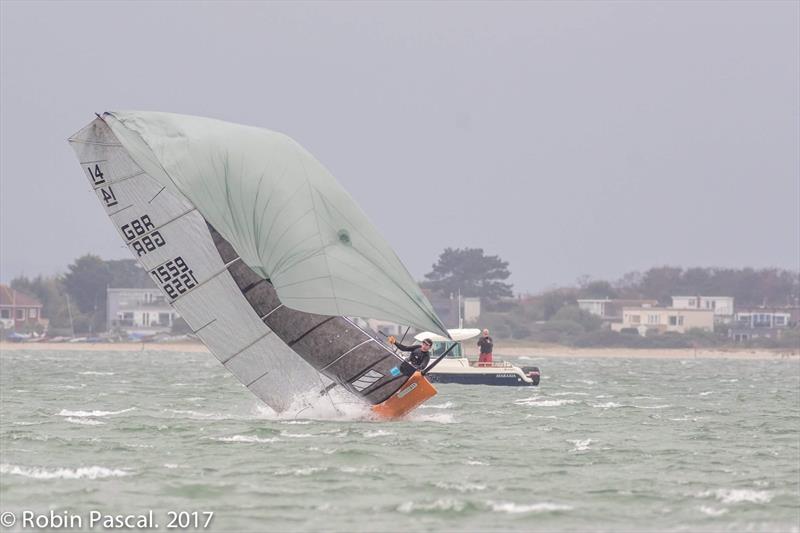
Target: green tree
[(86, 282), (471, 272), (127, 274)]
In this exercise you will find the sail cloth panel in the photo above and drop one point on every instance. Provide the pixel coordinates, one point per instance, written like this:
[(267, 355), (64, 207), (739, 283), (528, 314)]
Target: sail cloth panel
[(171, 240), (282, 211)]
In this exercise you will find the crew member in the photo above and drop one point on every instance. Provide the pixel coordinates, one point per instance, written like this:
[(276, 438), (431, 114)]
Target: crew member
[(420, 355), (485, 343)]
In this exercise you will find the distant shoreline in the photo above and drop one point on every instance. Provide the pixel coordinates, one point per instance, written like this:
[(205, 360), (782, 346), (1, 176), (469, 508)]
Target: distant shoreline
[(532, 351)]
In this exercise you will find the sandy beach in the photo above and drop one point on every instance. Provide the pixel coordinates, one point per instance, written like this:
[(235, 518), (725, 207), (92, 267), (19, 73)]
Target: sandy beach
[(518, 350)]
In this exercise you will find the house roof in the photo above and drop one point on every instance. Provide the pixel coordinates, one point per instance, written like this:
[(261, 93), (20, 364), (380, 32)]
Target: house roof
[(11, 297)]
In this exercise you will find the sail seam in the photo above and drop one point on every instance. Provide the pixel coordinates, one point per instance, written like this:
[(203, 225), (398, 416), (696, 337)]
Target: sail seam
[(205, 325), (199, 284), (248, 346), (259, 377), (119, 211), (301, 337), (93, 143), (170, 221), (90, 162), (114, 182), (359, 345)]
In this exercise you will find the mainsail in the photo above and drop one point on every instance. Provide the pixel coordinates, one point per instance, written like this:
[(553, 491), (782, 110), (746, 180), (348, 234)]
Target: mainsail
[(260, 268)]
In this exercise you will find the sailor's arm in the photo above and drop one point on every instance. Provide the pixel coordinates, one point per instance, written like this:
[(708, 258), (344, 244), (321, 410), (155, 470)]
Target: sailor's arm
[(401, 347)]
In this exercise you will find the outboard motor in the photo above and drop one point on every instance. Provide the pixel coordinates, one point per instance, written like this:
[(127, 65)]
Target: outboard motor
[(533, 373)]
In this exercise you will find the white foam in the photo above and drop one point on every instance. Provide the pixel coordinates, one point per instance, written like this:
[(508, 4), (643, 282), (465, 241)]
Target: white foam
[(652, 406), (580, 445), (296, 435), (90, 472), (247, 438), (516, 508), (608, 405), (442, 504), (377, 433), (296, 422), (706, 393), (85, 421), (445, 405), (439, 418), (461, 487), (740, 495), (475, 463), (539, 402), (307, 471), (710, 511), (170, 465), (66, 412), (93, 373), (570, 394)]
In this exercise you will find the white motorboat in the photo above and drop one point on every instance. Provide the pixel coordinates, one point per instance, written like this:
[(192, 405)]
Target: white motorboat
[(456, 368)]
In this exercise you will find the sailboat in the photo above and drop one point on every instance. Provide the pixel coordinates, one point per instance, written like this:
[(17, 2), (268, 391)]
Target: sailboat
[(262, 252)]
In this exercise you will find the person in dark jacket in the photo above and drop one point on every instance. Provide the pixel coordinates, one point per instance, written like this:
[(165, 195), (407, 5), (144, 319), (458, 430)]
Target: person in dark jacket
[(485, 343), (420, 353)]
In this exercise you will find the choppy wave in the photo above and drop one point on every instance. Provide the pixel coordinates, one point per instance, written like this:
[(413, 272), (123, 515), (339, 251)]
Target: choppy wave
[(89, 472), (517, 508), (541, 402), (580, 445), (738, 495), (66, 412), (377, 433), (247, 438), (711, 511), (93, 373), (461, 487), (442, 504), (85, 421)]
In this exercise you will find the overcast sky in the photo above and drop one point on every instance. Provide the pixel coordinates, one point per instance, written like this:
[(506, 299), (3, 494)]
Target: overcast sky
[(568, 138)]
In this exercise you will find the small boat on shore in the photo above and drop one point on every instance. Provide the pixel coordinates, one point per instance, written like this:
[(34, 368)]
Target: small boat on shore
[(457, 368)]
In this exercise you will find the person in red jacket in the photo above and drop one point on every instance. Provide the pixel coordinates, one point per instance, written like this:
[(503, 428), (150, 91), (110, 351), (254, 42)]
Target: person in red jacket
[(485, 343)]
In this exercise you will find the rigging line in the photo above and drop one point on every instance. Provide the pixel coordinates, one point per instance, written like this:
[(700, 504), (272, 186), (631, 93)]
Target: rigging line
[(347, 319)]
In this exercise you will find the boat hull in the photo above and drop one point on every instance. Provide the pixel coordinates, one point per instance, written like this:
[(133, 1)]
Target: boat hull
[(507, 379)]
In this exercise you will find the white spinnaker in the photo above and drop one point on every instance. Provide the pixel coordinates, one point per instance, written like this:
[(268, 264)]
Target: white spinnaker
[(171, 241)]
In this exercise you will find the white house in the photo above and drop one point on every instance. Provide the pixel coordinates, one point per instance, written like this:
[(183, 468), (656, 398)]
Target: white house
[(139, 311), (721, 305)]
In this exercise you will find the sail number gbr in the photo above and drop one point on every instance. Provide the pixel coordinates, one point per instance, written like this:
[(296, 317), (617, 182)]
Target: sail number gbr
[(175, 277), (140, 234)]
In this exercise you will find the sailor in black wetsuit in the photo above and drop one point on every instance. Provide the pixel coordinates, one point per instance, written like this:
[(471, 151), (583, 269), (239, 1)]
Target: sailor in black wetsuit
[(420, 353)]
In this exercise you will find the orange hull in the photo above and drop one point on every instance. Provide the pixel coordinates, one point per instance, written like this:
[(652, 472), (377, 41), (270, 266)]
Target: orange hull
[(415, 391)]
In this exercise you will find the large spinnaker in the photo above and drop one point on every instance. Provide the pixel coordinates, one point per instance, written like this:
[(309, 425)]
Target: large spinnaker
[(282, 211), (233, 309)]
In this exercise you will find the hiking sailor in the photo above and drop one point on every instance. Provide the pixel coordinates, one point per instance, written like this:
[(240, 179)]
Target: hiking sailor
[(420, 353)]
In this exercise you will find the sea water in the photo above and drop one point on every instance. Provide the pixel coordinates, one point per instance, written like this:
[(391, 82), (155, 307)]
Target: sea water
[(601, 445)]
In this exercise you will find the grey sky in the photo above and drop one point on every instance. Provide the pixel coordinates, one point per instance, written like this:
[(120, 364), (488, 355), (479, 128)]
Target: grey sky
[(569, 138)]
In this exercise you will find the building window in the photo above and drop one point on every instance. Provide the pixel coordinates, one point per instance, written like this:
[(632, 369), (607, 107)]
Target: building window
[(652, 319), (20, 314), (692, 302), (673, 320), (5, 313), (32, 313), (635, 319), (680, 320), (780, 320)]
